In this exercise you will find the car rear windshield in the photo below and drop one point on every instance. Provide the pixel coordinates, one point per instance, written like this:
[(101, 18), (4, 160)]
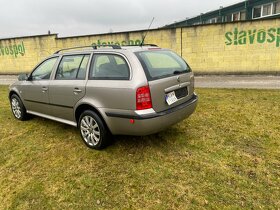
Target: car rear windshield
[(162, 63)]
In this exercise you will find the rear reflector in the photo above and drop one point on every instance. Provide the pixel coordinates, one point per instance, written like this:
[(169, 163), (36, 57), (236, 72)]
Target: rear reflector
[(143, 98)]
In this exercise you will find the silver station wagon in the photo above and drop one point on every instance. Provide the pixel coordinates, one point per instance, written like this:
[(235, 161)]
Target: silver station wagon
[(113, 90)]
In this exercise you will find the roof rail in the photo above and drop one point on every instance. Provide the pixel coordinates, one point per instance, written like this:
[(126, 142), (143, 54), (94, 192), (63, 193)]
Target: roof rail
[(107, 45), (91, 46), (152, 45), (72, 48), (114, 46)]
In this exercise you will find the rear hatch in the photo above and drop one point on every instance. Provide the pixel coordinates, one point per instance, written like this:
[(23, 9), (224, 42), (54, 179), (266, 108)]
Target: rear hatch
[(169, 76)]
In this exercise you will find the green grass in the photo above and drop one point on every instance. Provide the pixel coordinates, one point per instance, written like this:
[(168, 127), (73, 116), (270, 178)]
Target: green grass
[(225, 156)]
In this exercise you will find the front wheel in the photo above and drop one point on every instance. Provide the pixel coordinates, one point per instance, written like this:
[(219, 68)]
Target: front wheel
[(18, 108), (93, 130)]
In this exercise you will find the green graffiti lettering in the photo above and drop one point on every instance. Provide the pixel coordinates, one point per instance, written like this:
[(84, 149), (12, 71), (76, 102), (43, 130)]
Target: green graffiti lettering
[(2, 50), (271, 34), (23, 47), (261, 38), (235, 36), (138, 42), (7, 50), (228, 36), (131, 42), (20, 50), (11, 50), (98, 43), (242, 38), (278, 38), (252, 35), (15, 50)]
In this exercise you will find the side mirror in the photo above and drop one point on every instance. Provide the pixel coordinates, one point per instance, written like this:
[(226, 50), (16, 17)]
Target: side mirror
[(22, 77)]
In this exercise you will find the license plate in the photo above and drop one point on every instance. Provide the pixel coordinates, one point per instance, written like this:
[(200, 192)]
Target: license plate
[(171, 98)]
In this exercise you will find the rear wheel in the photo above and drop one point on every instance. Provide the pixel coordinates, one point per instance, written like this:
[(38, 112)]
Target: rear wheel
[(18, 108), (93, 130)]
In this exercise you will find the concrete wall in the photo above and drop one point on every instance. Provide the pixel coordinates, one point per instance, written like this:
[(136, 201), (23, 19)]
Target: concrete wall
[(252, 46)]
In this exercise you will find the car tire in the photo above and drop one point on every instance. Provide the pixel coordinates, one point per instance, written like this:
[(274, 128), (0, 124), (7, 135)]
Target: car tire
[(18, 108), (93, 130)]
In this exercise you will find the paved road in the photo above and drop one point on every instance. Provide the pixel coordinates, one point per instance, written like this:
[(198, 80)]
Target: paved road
[(7, 80), (252, 82)]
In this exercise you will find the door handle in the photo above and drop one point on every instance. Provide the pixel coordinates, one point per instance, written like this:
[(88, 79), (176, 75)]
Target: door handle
[(77, 91), (44, 89)]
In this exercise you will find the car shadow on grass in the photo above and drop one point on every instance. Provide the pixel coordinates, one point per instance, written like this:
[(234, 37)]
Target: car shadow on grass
[(163, 140)]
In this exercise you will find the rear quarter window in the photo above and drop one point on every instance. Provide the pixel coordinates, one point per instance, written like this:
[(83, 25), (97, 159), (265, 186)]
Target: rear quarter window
[(162, 63), (109, 67)]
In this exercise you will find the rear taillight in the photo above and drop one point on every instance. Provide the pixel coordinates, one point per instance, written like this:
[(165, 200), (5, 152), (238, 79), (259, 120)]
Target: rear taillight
[(143, 98)]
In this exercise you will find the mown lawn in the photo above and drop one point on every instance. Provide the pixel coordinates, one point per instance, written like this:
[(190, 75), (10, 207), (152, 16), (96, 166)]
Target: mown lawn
[(226, 156)]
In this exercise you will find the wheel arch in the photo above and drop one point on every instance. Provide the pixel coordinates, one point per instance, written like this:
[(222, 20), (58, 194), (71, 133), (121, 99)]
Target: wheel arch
[(12, 92), (83, 107)]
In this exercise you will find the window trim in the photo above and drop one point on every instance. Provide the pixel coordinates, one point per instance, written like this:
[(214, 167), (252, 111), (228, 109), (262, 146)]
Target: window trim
[(244, 13), (109, 78), (232, 15), (271, 9), (89, 57), (225, 17), (60, 60), (253, 12), (272, 4), (274, 8), (214, 20)]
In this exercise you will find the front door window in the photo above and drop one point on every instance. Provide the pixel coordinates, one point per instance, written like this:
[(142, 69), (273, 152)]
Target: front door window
[(43, 71)]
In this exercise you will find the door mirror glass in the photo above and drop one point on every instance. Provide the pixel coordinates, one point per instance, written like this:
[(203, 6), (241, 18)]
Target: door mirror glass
[(22, 77)]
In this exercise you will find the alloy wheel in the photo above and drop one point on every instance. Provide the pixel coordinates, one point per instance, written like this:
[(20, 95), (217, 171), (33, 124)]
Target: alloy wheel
[(90, 130), (16, 108)]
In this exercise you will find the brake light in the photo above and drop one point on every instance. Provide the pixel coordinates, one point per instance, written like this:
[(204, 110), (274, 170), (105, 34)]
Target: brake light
[(143, 98)]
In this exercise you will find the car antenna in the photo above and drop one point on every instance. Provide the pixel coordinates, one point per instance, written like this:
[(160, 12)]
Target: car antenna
[(142, 43)]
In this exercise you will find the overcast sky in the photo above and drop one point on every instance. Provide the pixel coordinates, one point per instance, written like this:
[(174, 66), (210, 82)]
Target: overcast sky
[(78, 17)]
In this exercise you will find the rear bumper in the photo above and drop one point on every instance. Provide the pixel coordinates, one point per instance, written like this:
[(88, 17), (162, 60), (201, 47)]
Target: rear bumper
[(119, 124)]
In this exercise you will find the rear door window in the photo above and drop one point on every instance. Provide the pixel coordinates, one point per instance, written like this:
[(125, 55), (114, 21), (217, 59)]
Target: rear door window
[(72, 67), (162, 63), (109, 67)]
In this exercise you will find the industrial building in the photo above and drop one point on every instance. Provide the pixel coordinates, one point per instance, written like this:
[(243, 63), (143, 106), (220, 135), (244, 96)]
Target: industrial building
[(242, 11)]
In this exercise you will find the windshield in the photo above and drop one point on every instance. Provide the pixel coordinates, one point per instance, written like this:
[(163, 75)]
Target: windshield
[(162, 63)]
